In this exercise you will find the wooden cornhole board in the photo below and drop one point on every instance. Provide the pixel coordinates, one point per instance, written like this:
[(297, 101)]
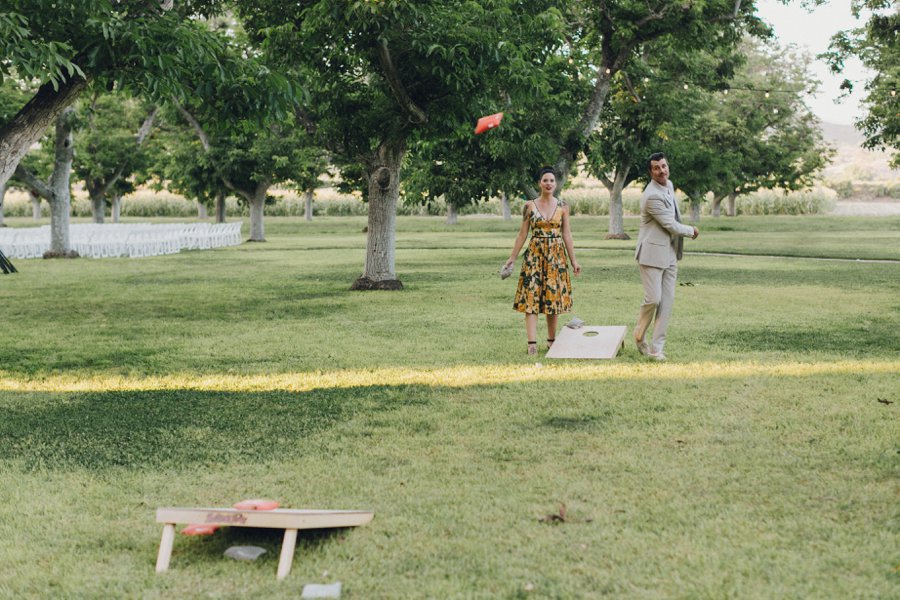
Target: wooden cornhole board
[(588, 341), (281, 518)]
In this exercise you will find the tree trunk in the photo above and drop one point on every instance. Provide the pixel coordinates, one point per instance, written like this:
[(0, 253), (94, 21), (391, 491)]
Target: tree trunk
[(202, 212), (116, 206), (2, 198), (716, 208), (308, 204), (35, 205), (220, 206), (20, 134), (384, 189), (731, 205), (61, 201), (452, 214), (504, 206), (98, 205), (616, 229), (575, 142), (695, 210), (98, 190), (257, 202)]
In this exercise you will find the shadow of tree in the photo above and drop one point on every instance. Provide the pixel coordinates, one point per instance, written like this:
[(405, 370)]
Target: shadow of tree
[(169, 429), (871, 337)]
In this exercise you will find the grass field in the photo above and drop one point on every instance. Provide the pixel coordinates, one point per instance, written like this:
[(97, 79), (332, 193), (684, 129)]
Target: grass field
[(761, 461)]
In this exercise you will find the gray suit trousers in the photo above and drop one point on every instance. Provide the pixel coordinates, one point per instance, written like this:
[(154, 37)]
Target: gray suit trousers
[(659, 297)]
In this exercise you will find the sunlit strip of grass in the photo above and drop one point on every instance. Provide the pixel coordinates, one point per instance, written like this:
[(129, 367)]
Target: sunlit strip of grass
[(458, 376)]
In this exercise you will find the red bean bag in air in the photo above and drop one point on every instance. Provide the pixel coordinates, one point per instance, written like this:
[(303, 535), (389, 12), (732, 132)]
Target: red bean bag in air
[(488, 122)]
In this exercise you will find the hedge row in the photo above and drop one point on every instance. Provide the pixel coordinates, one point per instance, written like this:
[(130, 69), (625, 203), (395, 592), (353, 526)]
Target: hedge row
[(582, 201)]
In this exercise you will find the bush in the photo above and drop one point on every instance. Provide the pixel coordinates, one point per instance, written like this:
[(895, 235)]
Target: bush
[(844, 189), (890, 190), (582, 200), (818, 201)]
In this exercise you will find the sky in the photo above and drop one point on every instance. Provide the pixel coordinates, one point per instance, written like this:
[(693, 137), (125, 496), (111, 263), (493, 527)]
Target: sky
[(812, 31)]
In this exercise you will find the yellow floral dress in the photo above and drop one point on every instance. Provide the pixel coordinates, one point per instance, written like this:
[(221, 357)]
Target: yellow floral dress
[(544, 284)]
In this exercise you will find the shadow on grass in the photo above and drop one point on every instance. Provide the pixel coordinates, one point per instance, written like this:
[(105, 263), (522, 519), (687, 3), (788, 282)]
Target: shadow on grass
[(171, 430), (203, 549), (827, 276), (871, 337), (174, 429), (582, 422)]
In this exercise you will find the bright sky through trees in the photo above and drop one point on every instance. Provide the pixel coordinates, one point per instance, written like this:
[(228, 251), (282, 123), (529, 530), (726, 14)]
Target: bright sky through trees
[(812, 30)]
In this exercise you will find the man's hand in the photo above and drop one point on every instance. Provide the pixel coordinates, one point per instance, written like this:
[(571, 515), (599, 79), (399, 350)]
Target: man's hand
[(696, 233)]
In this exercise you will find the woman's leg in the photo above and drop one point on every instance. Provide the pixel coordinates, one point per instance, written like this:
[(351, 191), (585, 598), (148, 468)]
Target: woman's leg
[(551, 329), (531, 332)]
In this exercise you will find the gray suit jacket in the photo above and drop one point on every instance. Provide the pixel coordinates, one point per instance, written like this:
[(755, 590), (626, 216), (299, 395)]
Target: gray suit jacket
[(660, 234)]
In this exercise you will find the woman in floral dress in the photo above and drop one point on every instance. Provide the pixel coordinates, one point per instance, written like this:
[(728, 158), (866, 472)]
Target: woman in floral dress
[(544, 285)]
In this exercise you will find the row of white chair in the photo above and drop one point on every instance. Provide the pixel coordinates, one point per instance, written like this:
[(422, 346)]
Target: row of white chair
[(122, 239)]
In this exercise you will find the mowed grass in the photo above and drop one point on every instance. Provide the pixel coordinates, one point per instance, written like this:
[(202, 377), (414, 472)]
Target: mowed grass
[(761, 461)]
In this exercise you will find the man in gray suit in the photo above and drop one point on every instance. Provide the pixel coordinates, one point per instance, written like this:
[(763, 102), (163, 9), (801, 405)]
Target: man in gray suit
[(660, 239)]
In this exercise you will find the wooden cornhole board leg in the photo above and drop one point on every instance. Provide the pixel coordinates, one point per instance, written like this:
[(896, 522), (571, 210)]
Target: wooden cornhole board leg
[(287, 553), (588, 341), (165, 547)]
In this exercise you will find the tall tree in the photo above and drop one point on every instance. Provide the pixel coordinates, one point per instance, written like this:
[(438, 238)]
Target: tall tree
[(250, 157), (151, 47), (382, 74), (109, 146), (13, 94), (611, 35), (643, 99), (758, 133), (57, 191), (464, 168), (179, 163), (877, 45), (772, 138)]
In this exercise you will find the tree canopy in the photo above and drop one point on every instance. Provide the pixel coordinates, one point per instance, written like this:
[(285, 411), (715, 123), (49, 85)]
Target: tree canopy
[(151, 48), (380, 75), (877, 45)]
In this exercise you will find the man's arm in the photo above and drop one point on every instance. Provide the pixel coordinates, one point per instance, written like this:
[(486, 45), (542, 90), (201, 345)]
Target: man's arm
[(656, 208)]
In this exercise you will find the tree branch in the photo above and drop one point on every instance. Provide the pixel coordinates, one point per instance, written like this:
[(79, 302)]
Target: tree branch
[(31, 181), (143, 132), (146, 126), (32, 121), (195, 125), (410, 109), (631, 87), (607, 183), (204, 141)]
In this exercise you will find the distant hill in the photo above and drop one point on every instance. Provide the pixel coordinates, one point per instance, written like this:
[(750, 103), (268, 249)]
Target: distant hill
[(852, 162), (841, 134)]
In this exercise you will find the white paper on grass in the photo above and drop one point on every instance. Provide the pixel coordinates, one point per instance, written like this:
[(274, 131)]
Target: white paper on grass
[(245, 552), (322, 590)]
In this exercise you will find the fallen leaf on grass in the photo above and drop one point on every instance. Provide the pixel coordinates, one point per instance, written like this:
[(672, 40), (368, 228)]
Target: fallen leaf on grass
[(559, 517)]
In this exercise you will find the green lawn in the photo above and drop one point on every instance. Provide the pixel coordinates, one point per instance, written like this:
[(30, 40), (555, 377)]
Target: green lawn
[(762, 461)]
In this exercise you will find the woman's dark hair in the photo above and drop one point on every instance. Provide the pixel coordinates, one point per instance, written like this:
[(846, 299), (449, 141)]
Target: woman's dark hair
[(654, 157), (545, 170)]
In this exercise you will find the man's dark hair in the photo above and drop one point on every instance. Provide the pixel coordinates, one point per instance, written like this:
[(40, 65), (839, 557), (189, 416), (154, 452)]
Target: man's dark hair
[(654, 157), (545, 170)]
